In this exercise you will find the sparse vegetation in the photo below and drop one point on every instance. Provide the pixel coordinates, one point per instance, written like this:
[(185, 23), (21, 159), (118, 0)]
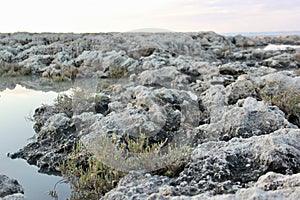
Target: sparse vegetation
[(288, 102), (57, 78), (96, 98), (297, 56), (96, 171), (139, 154), (89, 178), (63, 103), (13, 69), (102, 86), (117, 72)]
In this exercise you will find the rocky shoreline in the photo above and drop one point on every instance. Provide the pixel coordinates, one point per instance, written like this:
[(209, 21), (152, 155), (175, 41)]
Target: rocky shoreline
[(236, 104)]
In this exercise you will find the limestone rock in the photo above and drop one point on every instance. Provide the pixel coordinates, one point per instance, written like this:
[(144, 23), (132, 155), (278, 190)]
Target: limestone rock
[(202, 89), (55, 134), (247, 118), (222, 167), (17, 196), (9, 186)]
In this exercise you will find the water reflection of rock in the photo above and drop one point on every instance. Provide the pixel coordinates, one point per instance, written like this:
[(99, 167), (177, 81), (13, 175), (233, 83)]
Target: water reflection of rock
[(34, 83)]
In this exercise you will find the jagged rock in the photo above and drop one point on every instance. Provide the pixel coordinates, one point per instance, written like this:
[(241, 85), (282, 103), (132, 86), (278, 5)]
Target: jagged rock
[(6, 56), (282, 61), (40, 51), (247, 118), (222, 167), (225, 167), (157, 113), (103, 63), (273, 84), (9, 186), (269, 186), (36, 63), (191, 88), (138, 185), (288, 39), (137, 54), (87, 122), (56, 137), (163, 77), (241, 41), (244, 87), (14, 197)]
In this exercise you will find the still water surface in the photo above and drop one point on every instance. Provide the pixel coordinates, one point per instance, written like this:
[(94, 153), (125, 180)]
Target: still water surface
[(16, 106)]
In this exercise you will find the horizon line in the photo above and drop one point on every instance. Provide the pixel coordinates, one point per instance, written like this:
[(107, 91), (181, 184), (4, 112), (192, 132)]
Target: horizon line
[(148, 30)]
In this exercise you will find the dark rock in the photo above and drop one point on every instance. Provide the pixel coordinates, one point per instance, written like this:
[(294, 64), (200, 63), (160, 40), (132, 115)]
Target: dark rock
[(54, 140), (9, 186), (223, 167), (138, 185)]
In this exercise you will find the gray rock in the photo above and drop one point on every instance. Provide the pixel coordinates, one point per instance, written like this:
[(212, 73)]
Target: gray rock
[(191, 88), (222, 167), (247, 118), (98, 61), (288, 39), (17, 196), (277, 83), (244, 87), (167, 77), (37, 62), (269, 186), (138, 185), (56, 137), (241, 41), (158, 113), (6, 56), (282, 61), (9, 186)]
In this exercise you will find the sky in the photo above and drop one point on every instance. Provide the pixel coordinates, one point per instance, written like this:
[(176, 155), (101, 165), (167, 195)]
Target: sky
[(80, 16)]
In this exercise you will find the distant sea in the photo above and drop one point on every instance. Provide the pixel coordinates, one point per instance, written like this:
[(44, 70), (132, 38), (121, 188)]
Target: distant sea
[(257, 34)]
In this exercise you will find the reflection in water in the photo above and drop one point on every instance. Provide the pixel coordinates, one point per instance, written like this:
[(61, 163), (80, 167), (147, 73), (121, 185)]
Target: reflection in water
[(16, 105)]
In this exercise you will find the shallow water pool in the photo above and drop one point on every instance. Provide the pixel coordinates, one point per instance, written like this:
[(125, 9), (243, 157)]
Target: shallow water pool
[(16, 106)]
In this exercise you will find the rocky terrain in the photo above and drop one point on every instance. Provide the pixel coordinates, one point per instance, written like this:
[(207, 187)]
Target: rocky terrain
[(10, 188), (234, 103)]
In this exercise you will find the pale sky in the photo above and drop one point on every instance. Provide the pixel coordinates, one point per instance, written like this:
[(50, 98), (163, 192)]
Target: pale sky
[(125, 15)]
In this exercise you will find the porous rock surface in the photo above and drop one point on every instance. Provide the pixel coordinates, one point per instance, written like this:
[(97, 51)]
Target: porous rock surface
[(201, 89), (9, 187), (255, 163)]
